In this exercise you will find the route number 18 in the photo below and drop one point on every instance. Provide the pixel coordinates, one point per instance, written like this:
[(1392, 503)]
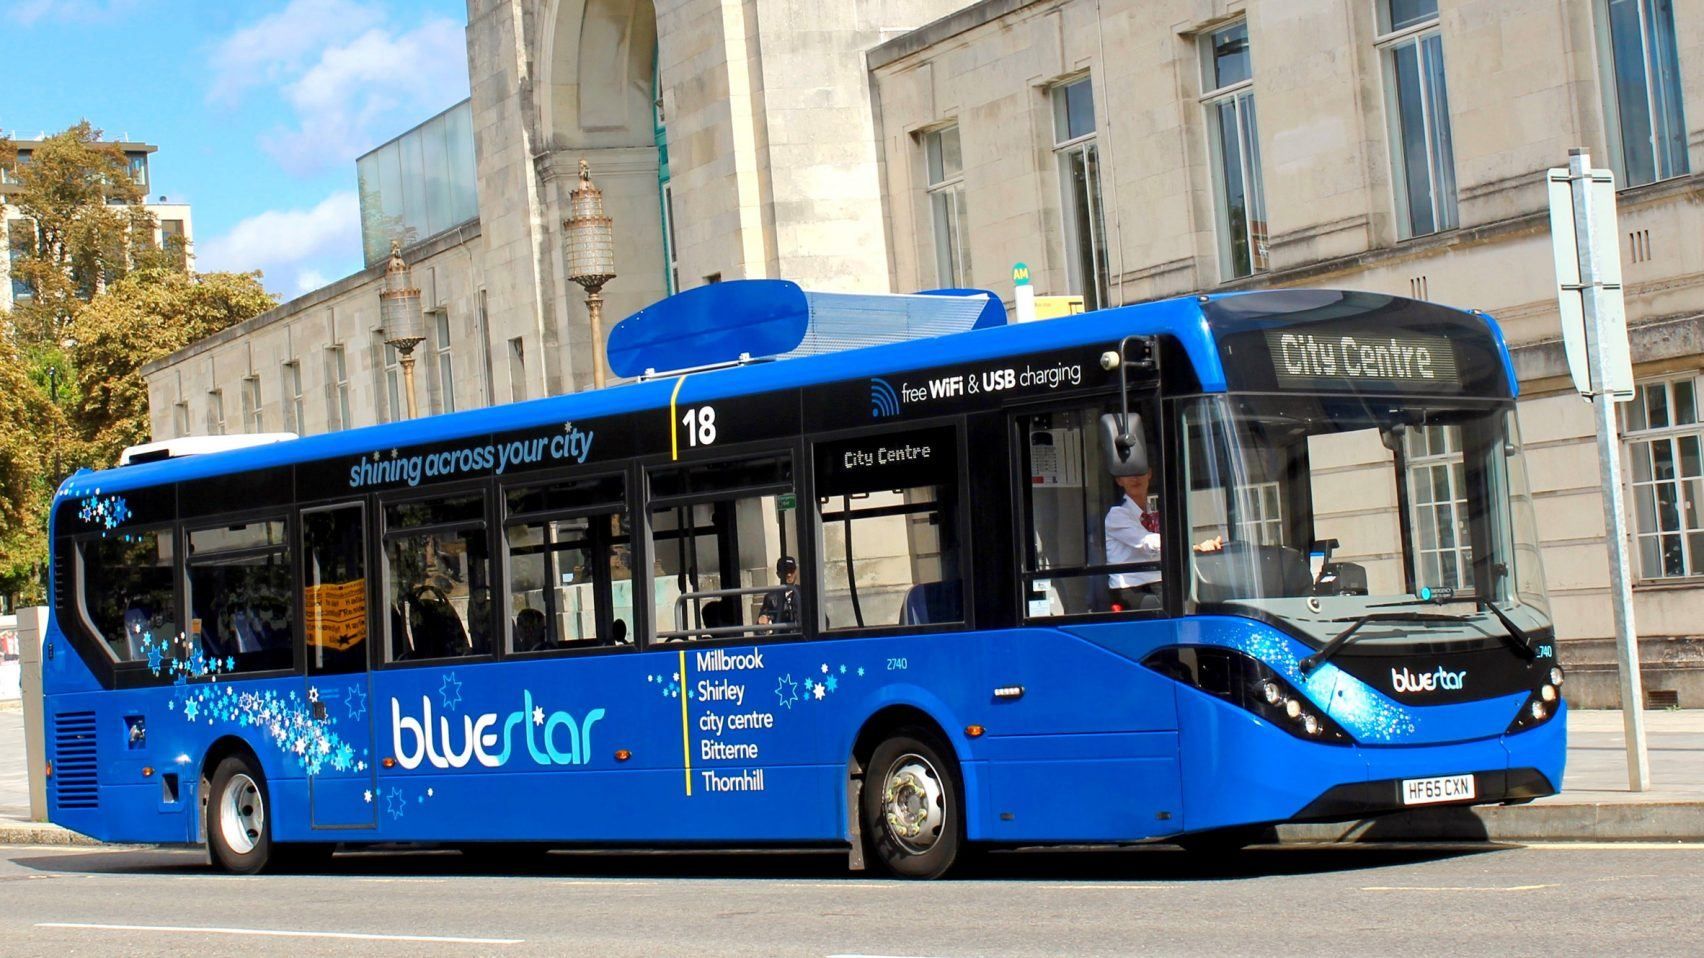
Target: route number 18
[(700, 423)]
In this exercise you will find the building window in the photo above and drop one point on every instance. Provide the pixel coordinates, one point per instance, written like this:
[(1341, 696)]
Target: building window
[(517, 370), (295, 416), (393, 382), (174, 241), (1642, 94), (251, 405), (337, 388), (1418, 105), (180, 418), (945, 163), (1228, 78), (446, 366), (1665, 462), (20, 244), (139, 169), (1079, 175), (1437, 493), (215, 412)]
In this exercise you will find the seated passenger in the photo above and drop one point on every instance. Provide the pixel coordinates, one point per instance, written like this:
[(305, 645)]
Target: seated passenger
[(530, 631), (781, 606)]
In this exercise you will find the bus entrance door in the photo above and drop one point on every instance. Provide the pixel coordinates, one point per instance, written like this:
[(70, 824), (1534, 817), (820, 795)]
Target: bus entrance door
[(337, 752)]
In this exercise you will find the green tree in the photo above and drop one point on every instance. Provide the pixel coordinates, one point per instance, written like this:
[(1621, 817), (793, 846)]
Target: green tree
[(148, 314), (26, 417), (86, 228)]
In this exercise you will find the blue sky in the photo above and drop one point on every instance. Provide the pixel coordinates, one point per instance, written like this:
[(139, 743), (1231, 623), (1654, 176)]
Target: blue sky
[(259, 107)]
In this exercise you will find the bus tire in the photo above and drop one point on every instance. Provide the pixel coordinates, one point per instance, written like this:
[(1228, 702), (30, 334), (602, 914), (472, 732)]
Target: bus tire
[(913, 806), (239, 824)]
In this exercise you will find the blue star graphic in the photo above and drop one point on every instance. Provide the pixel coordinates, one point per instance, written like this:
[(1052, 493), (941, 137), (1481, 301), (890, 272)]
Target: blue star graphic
[(450, 691), (394, 802), (832, 683), (154, 658), (860, 670), (357, 702), (787, 691), (843, 670), (190, 709)]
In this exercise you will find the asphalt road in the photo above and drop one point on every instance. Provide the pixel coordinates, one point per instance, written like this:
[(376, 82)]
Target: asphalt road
[(1567, 899)]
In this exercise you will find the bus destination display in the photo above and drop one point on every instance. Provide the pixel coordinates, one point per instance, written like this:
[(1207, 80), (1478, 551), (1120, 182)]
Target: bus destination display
[(1304, 359)]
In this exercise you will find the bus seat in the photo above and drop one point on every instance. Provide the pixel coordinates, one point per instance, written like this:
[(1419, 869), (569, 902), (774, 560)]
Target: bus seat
[(927, 603)]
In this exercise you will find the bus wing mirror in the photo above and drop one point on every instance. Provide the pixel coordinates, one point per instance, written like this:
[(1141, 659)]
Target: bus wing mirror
[(1121, 443)]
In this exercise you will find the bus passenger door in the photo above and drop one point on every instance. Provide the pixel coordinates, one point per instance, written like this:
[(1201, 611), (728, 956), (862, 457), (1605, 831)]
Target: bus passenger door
[(336, 749)]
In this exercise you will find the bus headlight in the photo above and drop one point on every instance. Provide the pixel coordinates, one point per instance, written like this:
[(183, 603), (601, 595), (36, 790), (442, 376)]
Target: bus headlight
[(1556, 675), (1249, 684)]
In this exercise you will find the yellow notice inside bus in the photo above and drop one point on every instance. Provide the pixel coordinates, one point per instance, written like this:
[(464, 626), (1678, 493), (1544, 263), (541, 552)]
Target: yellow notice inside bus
[(336, 614)]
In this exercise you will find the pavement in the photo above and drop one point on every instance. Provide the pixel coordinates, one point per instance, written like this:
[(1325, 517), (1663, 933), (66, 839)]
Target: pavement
[(1594, 806)]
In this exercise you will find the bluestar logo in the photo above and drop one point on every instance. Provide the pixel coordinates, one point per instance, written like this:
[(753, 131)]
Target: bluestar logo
[(553, 739), (1406, 681), (884, 402)]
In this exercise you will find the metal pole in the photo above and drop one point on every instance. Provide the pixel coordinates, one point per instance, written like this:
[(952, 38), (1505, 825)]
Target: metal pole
[(1609, 463), (594, 312), (406, 361)]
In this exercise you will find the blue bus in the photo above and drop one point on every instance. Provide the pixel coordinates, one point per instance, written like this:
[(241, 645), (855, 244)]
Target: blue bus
[(1168, 572)]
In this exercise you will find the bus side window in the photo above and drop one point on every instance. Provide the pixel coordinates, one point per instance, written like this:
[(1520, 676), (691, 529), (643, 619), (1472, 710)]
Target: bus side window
[(1088, 546), (570, 565), (334, 589), (888, 508), (239, 594), (129, 592), (439, 602), (723, 536)]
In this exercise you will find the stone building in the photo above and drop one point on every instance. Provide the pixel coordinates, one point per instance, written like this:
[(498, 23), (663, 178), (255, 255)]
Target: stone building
[(1125, 150)]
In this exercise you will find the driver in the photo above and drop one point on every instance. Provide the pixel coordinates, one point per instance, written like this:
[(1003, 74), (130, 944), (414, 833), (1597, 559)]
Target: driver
[(1132, 536)]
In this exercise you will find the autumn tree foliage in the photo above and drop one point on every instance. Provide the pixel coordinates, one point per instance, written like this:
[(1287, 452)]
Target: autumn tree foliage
[(102, 301)]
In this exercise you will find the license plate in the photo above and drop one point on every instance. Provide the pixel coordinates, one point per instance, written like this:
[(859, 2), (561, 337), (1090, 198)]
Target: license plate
[(1447, 788)]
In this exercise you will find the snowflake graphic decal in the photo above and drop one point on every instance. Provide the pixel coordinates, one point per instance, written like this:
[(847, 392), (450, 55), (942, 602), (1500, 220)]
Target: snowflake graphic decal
[(450, 691), (787, 691), (105, 512)]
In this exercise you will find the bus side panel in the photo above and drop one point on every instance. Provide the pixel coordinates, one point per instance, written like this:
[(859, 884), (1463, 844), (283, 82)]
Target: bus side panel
[(62, 668), (1107, 787), (1238, 768)]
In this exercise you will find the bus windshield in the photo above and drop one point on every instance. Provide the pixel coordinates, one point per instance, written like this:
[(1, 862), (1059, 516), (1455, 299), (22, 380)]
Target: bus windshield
[(1315, 511)]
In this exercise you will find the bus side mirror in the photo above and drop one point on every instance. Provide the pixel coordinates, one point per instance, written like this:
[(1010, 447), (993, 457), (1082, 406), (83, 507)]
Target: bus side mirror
[(1126, 454)]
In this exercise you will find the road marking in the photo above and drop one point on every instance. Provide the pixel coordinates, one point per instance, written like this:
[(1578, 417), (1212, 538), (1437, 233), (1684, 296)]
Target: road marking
[(1614, 846), (1475, 888), (872, 956), (276, 933), (605, 882)]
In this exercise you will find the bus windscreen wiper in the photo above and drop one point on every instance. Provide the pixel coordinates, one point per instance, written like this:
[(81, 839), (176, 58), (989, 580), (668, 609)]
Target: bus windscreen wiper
[(1348, 635), (1514, 635)]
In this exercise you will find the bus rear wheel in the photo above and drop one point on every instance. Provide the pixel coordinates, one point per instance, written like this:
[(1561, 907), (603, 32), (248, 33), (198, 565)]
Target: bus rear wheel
[(238, 830), (912, 807)]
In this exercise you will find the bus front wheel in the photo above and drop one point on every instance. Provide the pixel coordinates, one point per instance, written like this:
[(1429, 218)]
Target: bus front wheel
[(238, 831), (912, 806)]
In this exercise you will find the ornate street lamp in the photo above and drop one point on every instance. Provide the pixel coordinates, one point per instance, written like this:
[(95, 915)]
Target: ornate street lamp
[(590, 241), (399, 314)]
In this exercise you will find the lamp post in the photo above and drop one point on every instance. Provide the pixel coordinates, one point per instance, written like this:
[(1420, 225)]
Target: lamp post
[(399, 314), (590, 241)]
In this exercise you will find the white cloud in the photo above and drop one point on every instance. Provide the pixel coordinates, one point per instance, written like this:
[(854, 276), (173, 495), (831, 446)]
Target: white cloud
[(350, 78), (292, 247), (281, 44)]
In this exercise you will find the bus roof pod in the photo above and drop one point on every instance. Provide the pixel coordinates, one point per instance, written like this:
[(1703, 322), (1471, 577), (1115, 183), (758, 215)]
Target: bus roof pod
[(744, 320), (197, 446)]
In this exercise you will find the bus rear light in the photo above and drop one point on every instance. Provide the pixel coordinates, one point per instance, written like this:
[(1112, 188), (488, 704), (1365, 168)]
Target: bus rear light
[(622, 755), (147, 771), (49, 769), (974, 731)]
